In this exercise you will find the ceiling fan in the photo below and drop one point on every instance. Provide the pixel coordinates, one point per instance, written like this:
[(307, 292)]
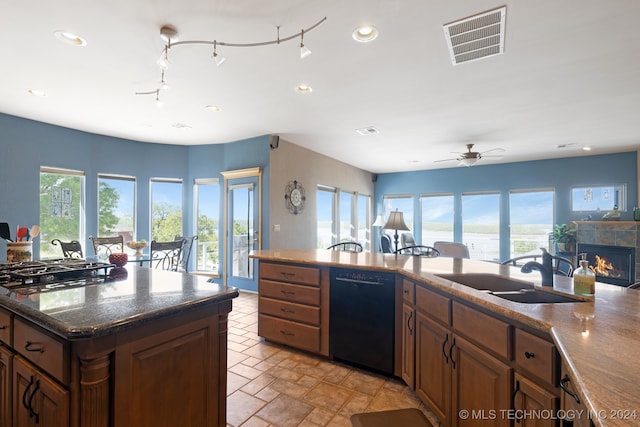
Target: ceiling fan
[(471, 157)]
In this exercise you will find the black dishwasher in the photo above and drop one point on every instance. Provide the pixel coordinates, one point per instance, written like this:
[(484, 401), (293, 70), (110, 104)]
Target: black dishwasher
[(361, 322)]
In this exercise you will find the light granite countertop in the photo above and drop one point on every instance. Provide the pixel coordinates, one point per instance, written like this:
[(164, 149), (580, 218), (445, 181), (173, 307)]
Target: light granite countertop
[(598, 339)]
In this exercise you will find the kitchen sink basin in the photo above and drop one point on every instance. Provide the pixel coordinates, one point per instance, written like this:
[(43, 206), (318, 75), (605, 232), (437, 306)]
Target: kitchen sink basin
[(506, 288), (487, 282), (535, 297)]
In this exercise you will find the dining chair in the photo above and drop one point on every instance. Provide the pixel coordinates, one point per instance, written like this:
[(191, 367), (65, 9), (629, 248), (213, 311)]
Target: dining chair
[(186, 250), (419, 250), (452, 249), (385, 244), (348, 246), (72, 249), (107, 245), (407, 239), (166, 255)]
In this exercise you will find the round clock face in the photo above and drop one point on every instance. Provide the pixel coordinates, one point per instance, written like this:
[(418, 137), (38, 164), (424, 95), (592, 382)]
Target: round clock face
[(294, 197)]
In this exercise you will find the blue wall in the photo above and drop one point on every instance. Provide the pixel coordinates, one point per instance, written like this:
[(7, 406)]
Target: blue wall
[(26, 145), (559, 174)]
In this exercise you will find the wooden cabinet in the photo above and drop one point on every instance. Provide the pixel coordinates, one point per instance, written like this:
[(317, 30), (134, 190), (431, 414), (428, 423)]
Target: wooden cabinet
[(6, 372), (533, 404), (572, 403), (293, 306), (37, 399), (408, 333)]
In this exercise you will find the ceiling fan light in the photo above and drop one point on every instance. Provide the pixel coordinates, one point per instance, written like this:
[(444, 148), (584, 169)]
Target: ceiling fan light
[(468, 161)]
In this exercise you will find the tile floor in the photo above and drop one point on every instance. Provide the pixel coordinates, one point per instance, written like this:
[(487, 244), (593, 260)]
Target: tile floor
[(273, 385)]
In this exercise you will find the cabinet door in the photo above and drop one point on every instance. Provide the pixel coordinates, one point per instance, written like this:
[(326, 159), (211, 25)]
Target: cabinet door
[(433, 369), (6, 367), (37, 400), (481, 387), (572, 403), (408, 344), (531, 400)]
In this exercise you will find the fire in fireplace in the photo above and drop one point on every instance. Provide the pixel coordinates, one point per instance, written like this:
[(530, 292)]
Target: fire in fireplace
[(611, 264)]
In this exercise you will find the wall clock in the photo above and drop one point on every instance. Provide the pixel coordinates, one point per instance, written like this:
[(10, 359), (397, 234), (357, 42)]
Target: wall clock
[(294, 197)]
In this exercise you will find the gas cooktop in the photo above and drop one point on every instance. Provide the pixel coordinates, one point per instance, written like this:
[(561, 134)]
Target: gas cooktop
[(50, 271)]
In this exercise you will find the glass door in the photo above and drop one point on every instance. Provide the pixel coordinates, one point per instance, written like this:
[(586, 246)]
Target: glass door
[(242, 227)]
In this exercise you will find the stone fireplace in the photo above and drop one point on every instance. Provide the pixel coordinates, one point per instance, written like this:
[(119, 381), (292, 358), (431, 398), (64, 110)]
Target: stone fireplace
[(611, 234)]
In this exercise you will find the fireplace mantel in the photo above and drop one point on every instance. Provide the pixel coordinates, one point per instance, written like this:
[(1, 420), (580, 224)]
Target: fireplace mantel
[(612, 233)]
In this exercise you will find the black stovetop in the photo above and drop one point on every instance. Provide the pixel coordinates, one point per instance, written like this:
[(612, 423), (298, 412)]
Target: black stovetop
[(50, 271)]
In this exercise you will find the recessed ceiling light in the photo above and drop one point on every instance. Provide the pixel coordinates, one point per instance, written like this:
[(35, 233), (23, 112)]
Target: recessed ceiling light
[(365, 33), (70, 38), (304, 89), (213, 108), (36, 92), (586, 148)]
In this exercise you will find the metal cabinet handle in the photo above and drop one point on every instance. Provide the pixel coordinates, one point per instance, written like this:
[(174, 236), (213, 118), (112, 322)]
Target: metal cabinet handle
[(287, 275), (287, 333), (563, 386), (513, 401), (286, 310), (29, 346), (529, 355), (409, 323), (24, 395), (3, 327), (444, 352), (453, 362), (32, 413), (288, 292)]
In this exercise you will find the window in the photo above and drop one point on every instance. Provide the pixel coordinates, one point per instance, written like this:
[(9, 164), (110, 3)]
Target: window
[(166, 209), (116, 206), (325, 197), (531, 221), (346, 219), (481, 225), (598, 198), (207, 207), (61, 208), (364, 221), (437, 218)]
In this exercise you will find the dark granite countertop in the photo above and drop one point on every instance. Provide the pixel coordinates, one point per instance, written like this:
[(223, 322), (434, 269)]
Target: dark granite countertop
[(102, 308)]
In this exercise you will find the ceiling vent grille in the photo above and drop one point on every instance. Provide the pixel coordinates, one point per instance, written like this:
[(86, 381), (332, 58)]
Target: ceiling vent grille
[(476, 37)]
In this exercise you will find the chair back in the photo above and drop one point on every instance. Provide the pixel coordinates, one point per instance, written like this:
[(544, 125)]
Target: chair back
[(346, 246), (452, 249), (166, 255), (72, 249), (186, 250), (419, 250), (107, 245), (407, 239), (385, 244), (561, 266)]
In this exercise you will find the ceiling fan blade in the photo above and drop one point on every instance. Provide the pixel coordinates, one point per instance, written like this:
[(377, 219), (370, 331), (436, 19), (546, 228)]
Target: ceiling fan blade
[(444, 160), (494, 156), (493, 150)]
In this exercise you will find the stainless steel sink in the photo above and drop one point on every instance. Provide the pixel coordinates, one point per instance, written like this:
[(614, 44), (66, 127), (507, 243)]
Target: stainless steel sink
[(509, 289), (487, 282)]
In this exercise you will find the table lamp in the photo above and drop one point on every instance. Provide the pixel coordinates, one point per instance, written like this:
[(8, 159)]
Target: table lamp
[(396, 222)]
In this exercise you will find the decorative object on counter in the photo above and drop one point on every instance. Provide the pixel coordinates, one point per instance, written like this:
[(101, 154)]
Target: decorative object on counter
[(584, 279), (119, 259), (138, 246), (34, 231), (19, 252), (612, 215), (396, 222), (564, 237), (636, 214), (294, 197)]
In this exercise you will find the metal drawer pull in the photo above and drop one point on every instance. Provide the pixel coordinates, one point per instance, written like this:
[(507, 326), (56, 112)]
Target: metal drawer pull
[(29, 347), (286, 310), (3, 327), (288, 292), (529, 355), (287, 334), (287, 275), (563, 386)]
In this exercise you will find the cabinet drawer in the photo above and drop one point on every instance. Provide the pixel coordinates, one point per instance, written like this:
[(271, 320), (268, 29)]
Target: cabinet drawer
[(5, 327), (290, 273), (536, 356), (39, 348), (433, 304), (291, 333), (409, 291), (291, 293), (483, 329), (290, 311)]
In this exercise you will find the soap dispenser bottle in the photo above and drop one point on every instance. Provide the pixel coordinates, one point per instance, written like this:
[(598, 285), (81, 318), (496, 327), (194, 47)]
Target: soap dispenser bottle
[(584, 279)]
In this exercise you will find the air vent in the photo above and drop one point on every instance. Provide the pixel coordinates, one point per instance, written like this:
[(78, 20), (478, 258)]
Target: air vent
[(476, 37), (370, 130)]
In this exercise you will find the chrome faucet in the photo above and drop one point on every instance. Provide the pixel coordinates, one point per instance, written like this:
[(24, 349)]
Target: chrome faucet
[(545, 269)]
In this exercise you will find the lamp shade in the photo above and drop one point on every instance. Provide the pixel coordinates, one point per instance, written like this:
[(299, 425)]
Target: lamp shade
[(379, 222), (396, 221)]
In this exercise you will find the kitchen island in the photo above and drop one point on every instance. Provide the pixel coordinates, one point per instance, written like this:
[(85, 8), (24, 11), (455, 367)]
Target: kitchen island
[(143, 347), (597, 339)]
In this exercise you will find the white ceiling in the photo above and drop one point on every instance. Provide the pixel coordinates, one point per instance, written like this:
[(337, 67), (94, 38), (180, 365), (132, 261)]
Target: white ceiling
[(569, 75)]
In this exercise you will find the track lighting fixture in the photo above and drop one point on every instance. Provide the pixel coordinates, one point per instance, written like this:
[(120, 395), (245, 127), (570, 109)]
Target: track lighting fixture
[(170, 36), (159, 103)]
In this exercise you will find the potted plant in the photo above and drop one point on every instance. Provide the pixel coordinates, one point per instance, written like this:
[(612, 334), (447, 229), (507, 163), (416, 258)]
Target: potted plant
[(564, 237)]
